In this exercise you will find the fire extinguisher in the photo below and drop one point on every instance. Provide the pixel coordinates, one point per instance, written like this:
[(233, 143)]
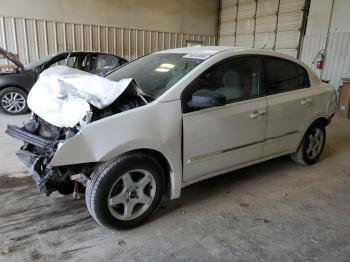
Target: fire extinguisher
[(319, 59)]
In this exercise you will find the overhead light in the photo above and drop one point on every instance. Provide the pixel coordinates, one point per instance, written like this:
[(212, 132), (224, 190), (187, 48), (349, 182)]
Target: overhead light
[(159, 69), (170, 66), (164, 68)]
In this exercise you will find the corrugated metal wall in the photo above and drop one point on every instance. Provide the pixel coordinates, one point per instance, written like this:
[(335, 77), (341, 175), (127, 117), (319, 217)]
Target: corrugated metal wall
[(33, 39), (328, 28), (337, 64), (254, 23)]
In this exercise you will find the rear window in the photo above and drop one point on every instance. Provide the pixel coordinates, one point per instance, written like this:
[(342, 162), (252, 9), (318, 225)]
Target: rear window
[(282, 75)]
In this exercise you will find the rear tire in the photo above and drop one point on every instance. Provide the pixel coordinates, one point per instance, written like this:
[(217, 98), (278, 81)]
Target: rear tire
[(13, 101), (311, 146), (123, 192)]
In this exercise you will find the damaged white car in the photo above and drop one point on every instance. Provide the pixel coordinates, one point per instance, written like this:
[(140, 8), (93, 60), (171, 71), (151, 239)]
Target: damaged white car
[(167, 120)]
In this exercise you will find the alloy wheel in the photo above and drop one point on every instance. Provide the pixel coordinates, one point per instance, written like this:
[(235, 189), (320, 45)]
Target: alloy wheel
[(132, 194), (315, 142), (13, 102)]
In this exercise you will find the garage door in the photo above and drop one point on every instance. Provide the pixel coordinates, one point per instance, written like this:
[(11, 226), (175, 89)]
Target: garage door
[(275, 24)]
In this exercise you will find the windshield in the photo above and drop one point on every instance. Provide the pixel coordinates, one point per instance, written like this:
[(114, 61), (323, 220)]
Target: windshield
[(38, 62), (156, 73)]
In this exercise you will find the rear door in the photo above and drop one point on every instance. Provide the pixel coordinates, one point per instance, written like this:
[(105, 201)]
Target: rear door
[(289, 103), (216, 139)]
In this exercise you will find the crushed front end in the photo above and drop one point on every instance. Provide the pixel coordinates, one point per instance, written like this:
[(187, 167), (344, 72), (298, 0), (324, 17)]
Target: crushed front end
[(64, 101), (41, 141)]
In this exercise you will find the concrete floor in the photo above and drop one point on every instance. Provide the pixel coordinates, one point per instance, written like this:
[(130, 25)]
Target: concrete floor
[(274, 211)]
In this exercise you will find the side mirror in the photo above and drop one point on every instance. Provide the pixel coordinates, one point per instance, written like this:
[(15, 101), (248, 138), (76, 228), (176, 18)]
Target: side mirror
[(205, 98)]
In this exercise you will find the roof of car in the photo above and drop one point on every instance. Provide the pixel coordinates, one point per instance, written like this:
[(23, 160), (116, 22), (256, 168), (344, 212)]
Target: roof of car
[(204, 49), (86, 52), (82, 52), (212, 50)]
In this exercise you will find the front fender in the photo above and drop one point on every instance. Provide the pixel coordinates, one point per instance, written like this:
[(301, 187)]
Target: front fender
[(21, 80), (154, 126)]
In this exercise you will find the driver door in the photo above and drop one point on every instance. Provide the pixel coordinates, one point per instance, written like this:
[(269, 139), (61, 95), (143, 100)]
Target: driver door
[(219, 138)]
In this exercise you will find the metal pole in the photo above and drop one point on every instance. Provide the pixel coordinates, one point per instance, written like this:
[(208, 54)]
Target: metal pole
[(218, 20), (236, 23), (254, 33), (327, 38), (277, 14), (303, 27)]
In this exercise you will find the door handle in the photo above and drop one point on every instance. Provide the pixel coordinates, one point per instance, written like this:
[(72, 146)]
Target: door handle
[(306, 101), (257, 114)]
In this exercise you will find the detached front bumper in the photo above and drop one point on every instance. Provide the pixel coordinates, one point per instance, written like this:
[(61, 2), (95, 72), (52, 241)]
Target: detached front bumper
[(36, 154), (28, 137)]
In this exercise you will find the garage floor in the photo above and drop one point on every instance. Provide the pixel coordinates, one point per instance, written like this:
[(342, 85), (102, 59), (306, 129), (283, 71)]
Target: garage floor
[(274, 211)]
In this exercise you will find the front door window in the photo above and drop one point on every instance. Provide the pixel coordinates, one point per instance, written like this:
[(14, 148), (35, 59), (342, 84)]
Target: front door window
[(236, 79)]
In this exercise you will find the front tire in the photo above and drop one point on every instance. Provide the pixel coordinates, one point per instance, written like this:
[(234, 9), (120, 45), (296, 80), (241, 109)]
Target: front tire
[(311, 146), (13, 101), (123, 192)]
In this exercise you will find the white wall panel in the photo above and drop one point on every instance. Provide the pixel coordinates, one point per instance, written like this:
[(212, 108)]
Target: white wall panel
[(313, 43), (227, 40), (287, 40), (291, 52), (246, 9), (267, 7), (229, 13), (245, 40), (266, 24), (190, 16), (262, 39), (245, 26), (290, 21), (276, 23), (227, 28), (287, 6), (33, 39), (227, 3), (337, 63)]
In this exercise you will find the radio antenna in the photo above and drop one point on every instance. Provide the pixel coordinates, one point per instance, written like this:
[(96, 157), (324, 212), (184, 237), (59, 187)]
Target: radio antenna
[(266, 38)]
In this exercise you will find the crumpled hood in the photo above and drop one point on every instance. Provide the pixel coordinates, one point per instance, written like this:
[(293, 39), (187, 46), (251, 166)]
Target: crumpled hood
[(62, 95)]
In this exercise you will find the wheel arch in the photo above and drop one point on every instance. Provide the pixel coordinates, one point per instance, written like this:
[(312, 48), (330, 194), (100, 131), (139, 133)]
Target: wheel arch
[(13, 85), (172, 182), (321, 119)]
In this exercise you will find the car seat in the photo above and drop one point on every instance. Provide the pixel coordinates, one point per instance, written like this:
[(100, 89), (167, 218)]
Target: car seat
[(232, 88)]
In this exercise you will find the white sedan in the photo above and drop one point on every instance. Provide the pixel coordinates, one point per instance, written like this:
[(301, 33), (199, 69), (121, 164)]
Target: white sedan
[(182, 116)]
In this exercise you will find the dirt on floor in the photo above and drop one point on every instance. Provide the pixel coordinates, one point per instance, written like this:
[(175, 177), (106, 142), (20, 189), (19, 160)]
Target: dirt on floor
[(273, 211)]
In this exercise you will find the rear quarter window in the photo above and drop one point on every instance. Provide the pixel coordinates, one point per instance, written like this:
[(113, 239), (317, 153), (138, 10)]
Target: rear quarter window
[(283, 75)]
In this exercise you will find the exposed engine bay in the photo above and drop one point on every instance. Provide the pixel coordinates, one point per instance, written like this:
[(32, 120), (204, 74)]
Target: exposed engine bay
[(42, 139)]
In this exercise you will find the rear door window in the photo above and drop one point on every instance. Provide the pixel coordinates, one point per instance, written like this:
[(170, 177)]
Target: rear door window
[(72, 61), (104, 63), (282, 75)]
